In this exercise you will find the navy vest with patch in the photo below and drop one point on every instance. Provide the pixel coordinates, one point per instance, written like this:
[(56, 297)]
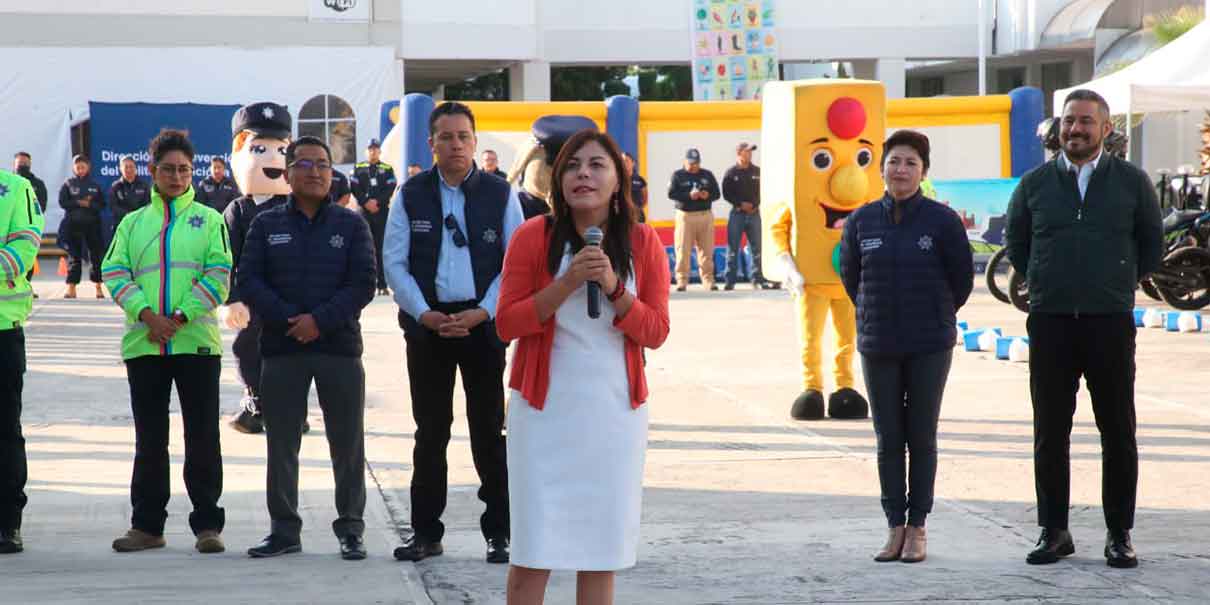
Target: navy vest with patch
[(486, 199)]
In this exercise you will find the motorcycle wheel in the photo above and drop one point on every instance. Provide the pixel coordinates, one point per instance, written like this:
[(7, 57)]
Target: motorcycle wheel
[(990, 275), (1018, 290), (1189, 263), (1149, 289)]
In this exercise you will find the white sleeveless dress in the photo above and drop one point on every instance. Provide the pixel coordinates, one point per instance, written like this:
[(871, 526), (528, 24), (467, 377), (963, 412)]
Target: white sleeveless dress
[(575, 468)]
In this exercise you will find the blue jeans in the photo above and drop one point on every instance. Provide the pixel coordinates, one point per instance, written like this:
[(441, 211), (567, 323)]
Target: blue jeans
[(738, 225)]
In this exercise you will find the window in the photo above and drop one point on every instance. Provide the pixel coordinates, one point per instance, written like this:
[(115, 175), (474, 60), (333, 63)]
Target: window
[(1055, 76), (926, 87), (331, 119), (1009, 78)]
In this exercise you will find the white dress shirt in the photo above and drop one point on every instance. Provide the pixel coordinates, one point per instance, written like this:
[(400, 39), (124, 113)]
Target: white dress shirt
[(455, 280), (1083, 173)]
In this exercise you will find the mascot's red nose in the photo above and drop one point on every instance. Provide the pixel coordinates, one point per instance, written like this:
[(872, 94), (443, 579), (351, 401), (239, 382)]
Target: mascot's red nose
[(846, 117)]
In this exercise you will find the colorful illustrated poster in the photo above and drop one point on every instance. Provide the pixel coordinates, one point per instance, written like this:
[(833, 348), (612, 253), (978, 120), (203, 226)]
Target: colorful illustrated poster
[(734, 48)]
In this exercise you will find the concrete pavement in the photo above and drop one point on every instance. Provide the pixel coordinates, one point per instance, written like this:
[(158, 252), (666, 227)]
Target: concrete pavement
[(742, 504)]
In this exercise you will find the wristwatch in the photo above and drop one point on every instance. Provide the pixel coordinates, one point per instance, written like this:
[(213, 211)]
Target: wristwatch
[(617, 292), (180, 317)]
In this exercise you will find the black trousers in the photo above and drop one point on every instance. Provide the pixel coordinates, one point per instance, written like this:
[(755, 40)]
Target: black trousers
[(1101, 349), (905, 401), (246, 348), (432, 361), (378, 230), (13, 470), (86, 238), (197, 378), (341, 384)]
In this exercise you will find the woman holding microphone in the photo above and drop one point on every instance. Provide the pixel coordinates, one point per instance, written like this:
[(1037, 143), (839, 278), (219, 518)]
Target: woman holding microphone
[(577, 426), (907, 266)]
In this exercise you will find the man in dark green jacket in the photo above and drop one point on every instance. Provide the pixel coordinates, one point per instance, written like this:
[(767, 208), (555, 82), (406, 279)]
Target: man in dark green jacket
[(1084, 228)]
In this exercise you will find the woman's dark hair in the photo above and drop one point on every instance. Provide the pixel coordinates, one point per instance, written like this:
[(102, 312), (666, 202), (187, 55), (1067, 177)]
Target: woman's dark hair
[(450, 108), (621, 210), (908, 138), (170, 140)]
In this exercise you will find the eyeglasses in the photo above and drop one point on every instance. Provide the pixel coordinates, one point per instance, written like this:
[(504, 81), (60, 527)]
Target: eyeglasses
[(320, 165), (451, 223), (181, 169)]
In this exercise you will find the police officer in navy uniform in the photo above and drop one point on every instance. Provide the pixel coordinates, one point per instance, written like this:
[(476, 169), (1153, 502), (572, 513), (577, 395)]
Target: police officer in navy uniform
[(218, 189), (373, 185), (340, 192), (82, 199), (274, 123), (128, 193)]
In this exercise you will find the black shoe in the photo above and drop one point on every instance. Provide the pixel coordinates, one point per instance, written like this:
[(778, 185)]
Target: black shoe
[(680, 288), (808, 406), (847, 404), (714, 287), (729, 287), (416, 548), (248, 422), (352, 548), (773, 285), (1119, 551), (273, 546), (1053, 544), (10, 542), (497, 550)]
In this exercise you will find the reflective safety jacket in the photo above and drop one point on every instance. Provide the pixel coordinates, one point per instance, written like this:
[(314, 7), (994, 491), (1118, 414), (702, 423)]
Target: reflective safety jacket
[(171, 255), (21, 223)]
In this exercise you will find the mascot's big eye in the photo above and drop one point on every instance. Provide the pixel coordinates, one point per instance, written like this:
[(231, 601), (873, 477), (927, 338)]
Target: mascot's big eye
[(822, 159), (864, 157), (281, 151), (258, 149)]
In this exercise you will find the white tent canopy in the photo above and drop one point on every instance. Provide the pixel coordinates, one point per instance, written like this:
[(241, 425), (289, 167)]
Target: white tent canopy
[(1174, 78), (44, 91)]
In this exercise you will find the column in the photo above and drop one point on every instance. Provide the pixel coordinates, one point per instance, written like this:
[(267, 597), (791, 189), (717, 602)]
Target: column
[(529, 81)]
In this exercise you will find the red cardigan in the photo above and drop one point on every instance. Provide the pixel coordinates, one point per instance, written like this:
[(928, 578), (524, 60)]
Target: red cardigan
[(525, 274)]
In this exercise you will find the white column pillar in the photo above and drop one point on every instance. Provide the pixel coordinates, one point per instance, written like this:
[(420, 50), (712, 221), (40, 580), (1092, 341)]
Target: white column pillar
[(893, 74), (529, 81)]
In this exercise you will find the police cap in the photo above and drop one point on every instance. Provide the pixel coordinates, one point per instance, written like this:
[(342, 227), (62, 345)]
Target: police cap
[(265, 119), (553, 131)]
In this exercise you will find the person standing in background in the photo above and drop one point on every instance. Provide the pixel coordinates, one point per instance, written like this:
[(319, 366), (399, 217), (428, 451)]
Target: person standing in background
[(491, 164), (693, 189), (218, 189), (373, 184), (741, 189), (638, 188), (23, 166), (127, 194), (83, 199)]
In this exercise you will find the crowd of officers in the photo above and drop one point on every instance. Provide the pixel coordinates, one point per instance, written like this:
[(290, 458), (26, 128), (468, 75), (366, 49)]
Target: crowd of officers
[(87, 229)]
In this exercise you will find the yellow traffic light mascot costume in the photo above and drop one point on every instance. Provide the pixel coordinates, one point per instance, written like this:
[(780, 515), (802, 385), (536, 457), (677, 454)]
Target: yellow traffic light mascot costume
[(822, 142)]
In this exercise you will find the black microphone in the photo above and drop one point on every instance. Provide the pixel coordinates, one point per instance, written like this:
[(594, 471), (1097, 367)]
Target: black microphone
[(593, 237)]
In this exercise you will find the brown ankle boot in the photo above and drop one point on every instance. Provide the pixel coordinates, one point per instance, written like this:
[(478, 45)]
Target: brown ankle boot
[(135, 540), (893, 547), (914, 545)]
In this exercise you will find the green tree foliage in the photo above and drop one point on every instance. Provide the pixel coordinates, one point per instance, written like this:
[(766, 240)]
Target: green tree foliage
[(488, 87), (1171, 25)]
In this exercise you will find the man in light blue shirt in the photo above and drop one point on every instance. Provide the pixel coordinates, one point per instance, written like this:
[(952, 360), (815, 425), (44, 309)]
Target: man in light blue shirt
[(446, 234)]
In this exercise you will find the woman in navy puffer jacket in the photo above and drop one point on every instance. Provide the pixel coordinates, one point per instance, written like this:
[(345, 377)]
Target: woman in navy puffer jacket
[(907, 265)]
